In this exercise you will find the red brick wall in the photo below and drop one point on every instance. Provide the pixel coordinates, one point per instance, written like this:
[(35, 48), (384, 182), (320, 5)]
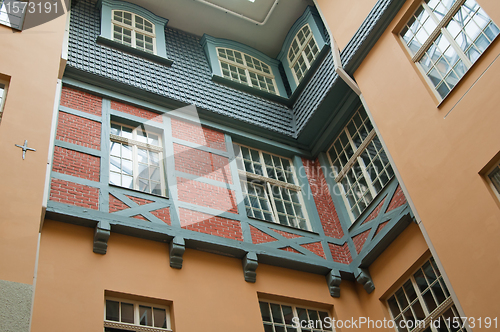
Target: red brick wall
[(340, 254), (290, 249), (76, 163), (81, 101), (206, 195), (116, 205), (139, 112), (375, 212), (322, 198), (77, 130), (208, 224), (381, 226), (286, 234), (202, 163), (315, 247), (260, 237), (139, 201), (195, 133), (360, 239), (397, 200), (74, 194), (163, 214)]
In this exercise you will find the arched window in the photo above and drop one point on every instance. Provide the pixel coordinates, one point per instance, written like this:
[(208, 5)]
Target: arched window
[(242, 68), (302, 52), (133, 30)]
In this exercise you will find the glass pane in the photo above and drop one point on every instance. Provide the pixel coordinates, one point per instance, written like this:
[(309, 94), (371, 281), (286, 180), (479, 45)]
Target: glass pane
[(275, 309), (264, 310), (145, 316), (127, 313), (160, 318), (112, 310)]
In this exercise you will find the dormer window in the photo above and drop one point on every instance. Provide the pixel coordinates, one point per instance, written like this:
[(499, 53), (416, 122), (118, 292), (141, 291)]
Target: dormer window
[(133, 30), (245, 69), (302, 52)]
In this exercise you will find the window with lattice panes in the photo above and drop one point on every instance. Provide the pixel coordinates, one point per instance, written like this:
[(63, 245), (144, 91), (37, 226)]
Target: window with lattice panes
[(494, 179), (127, 315), (445, 38), (133, 30), (136, 159), (3, 94), (270, 188), (245, 69), (359, 163), (422, 298), (279, 317), (302, 52)]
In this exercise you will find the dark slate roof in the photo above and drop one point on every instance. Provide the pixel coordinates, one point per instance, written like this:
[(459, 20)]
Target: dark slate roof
[(189, 78)]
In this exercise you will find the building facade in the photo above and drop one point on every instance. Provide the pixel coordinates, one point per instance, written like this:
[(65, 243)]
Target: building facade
[(250, 166)]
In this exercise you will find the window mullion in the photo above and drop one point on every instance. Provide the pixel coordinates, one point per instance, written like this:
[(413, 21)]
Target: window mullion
[(441, 24), (270, 198), (457, 48)]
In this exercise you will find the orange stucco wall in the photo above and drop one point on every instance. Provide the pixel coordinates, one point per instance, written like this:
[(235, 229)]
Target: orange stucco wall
[(30, 60), (209, 292), (344, 17), (446, 147)]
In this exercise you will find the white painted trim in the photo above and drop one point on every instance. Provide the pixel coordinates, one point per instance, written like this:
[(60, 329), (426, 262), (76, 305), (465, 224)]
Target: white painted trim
[(228, 11)]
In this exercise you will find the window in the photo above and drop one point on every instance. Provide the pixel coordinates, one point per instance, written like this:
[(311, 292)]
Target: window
[(133, 30), (494, 179), (3, 93), (282, 317), (445, 38), (125, 315), (302, 52), (12, 13), (242, 68), (421, 298), (270, 188), (359, 163), (136, 159)]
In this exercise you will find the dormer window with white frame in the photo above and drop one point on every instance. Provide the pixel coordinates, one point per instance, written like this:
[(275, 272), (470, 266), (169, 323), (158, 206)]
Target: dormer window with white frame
[(445, 38), (302, 52), (133, 30), (243, 68)]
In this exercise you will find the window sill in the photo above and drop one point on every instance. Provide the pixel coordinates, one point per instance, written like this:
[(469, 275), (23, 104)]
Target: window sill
[(137, 191), (127, 49), (280, 227), (249, 89)]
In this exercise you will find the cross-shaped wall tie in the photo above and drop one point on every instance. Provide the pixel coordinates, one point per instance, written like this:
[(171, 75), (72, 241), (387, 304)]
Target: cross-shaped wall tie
[(25, 148)]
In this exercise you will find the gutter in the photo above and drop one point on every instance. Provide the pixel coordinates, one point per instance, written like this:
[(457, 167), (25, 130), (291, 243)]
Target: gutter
[(337, 62)]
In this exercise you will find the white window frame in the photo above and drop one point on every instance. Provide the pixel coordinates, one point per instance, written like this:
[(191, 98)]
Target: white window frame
[(440, 309), (136, 326), (12, 14), (296, 316), (248, 69), (268, 182), (4, 86), (494, 187), (357, 158), (301, 53), (441, 30), (135, 144), (133, 29)]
